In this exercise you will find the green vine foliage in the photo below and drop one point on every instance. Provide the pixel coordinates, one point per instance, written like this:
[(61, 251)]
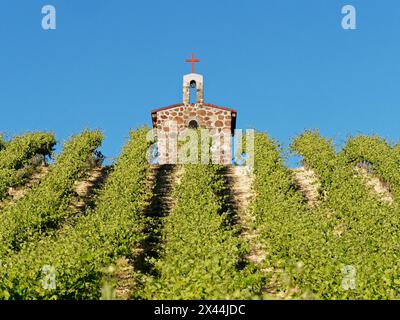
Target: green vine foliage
[(318, 152), (3, 143), (18, 153), (375, 151), (293, 237), (200, 254), (79, 253), (8, 178), (360, 231), (45, 205), (21, 149)]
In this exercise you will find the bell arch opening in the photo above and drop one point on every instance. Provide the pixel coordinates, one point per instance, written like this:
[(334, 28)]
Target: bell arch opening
[(193, 92)]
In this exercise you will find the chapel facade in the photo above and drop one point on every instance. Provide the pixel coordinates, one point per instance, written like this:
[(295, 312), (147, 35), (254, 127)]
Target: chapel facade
[(192, 113)]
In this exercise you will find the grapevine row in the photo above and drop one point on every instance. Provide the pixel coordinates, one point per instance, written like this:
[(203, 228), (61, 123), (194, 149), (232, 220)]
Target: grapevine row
[(21, 149), (361, 233), (17, 153), (2, 142), (292, 235), (384, 159), (200, 252), (46, 204), (79, 254)]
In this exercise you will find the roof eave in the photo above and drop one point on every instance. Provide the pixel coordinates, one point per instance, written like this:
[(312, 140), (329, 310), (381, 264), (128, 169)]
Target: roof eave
[(181, 104)]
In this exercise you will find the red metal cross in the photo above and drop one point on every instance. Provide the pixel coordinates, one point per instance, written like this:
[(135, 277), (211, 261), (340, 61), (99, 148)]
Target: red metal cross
[(192, 60)]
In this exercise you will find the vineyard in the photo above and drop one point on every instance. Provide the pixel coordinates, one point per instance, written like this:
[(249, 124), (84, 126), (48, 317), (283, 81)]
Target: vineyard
[(73, 228)]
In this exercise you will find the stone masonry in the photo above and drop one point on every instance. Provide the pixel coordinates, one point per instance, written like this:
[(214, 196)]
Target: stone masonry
[(170, 121)]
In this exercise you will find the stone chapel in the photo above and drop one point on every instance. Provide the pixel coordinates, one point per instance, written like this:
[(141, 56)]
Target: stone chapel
[(194, 113)]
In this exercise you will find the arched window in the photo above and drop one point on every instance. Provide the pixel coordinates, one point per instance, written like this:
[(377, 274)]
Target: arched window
[(193, 124), (193, 92)]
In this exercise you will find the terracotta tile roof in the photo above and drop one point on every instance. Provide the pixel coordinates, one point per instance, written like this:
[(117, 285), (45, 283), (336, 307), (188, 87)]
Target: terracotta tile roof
[(204, 104), (167, 107)]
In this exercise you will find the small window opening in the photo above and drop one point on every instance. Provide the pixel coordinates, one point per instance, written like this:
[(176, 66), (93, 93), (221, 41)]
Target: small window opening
[(193, 124)]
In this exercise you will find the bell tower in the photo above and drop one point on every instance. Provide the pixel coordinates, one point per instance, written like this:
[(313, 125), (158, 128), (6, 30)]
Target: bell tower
[(173, 121), (193, 81)]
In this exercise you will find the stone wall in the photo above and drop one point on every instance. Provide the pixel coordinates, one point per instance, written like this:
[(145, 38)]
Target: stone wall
[(172, 121)]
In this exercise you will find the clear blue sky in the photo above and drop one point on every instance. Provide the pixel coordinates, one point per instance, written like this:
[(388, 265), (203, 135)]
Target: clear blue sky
[(284, 65)]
